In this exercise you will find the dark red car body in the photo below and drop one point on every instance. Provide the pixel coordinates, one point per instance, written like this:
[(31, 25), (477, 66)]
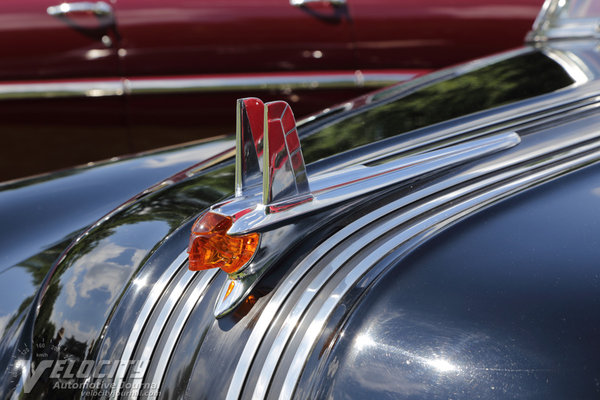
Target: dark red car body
[(86, 85)]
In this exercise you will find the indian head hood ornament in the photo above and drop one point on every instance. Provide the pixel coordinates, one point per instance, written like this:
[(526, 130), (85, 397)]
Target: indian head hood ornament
[(270, 176), (272, 187)]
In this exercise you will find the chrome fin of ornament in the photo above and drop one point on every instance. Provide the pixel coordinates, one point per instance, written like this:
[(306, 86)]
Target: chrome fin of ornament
[(272, 186), (284, 173), (249, 144), (268, 152)]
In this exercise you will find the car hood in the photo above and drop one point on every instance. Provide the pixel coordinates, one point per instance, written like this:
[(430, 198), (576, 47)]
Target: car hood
[(43, 215)]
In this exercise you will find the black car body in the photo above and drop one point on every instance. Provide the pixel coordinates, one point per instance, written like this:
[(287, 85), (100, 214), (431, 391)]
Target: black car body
[(447, 247)]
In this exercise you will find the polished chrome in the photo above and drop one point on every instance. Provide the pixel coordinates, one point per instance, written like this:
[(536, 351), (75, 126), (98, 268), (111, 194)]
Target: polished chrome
[(98, 8), (240, 289), (224, 83), (51, 89), (335, 187), (284, 174), (300, 3), (156, 329), (287, 191), (523, 162), (145, 312), (267, 151), (289, 283), (430, 225), (276, 81), (249, 129), (196, 297), (543, 18), (555, 21), (106, 41), (571, 64)]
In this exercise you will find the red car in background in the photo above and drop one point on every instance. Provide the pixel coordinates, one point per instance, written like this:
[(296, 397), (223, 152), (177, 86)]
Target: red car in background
[(82, 81)]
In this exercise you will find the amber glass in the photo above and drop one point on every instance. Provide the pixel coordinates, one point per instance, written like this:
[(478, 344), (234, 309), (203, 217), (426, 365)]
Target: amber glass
[(211, 247)]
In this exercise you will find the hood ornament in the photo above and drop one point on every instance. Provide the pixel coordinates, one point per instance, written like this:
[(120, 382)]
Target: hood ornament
[(270, 176), (272, 187)]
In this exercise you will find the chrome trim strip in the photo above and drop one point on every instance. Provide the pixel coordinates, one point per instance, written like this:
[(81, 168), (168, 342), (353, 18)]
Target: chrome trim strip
[(332, 267), (139, 86), (416, 165), (159, 324), (196, 297), (53, 89), (302, 3), (572, 64), (268, 82), (153, 297), (432, 224), (286, 287)]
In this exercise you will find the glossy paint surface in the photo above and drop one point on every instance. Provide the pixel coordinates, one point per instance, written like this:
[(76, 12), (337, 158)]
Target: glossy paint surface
[(35, 45), (436, 33), (81, 291), (202, 36), (172, 38), (177, 38), (504, 304), (46, 213)]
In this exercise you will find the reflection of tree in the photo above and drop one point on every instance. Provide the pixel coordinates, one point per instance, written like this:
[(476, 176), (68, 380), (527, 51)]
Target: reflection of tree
[(173, 205), (37, 267), (177, 203), (507, 81)]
